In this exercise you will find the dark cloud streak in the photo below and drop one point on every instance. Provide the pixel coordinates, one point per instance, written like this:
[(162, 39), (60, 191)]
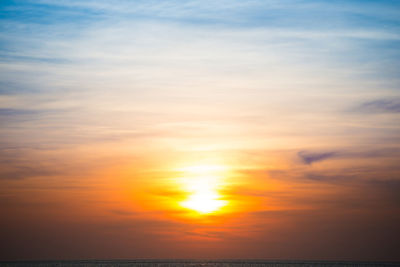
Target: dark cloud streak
[(309, 157), (380, 106)]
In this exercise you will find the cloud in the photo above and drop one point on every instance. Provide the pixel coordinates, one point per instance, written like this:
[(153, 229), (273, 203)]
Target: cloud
[(336, 178), (22, 172), (26, 163), (13, 111), (380, 106), (309, 157)]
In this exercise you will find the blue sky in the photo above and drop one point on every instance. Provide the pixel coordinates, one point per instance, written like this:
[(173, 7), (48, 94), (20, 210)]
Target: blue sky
[(73, 67)]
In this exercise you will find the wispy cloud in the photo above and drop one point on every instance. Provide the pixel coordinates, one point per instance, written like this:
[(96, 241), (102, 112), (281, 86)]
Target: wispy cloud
[(311, 157), (380, 106)]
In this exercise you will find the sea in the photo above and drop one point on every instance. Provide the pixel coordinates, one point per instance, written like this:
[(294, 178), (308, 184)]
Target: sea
[(193, 263)]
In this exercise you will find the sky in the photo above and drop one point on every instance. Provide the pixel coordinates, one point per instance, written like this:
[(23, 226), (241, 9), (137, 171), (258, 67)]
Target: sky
[(200, 129)]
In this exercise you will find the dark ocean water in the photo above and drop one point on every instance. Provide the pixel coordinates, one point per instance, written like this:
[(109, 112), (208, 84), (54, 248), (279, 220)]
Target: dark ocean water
[(193, 263)]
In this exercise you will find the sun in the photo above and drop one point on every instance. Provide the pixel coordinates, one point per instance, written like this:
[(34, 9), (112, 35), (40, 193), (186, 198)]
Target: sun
[(202, 184), (204, 201)]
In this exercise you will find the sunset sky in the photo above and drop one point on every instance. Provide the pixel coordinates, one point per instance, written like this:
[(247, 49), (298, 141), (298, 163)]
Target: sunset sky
[(200, 129)]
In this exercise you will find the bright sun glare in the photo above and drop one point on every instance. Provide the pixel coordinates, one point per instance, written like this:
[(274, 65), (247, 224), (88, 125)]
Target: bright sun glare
[(202, 183)]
